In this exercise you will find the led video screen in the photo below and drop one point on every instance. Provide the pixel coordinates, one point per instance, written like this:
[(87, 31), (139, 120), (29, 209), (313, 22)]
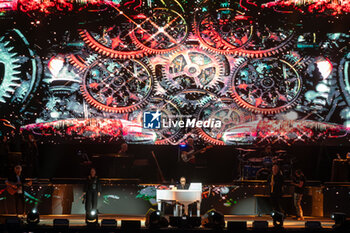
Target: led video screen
[(157, 71)]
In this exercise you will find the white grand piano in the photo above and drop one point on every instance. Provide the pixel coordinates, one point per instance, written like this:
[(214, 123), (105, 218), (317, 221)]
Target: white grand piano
[(184, 197)]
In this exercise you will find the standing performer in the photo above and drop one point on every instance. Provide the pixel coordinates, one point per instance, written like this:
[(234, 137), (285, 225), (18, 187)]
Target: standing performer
[(15, 184), (299, 183), (4, 153), (188, 158), (92, 191), (275, 182)]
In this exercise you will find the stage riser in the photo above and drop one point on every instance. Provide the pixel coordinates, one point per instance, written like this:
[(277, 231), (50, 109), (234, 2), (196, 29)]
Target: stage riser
[(131, 199)]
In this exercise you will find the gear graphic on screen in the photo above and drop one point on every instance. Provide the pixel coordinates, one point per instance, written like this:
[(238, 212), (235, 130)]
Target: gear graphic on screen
[(117, 86)]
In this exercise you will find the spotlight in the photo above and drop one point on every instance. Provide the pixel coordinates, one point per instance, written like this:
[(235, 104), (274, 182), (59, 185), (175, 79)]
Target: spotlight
[(340, 221), (91, 217), (339, 218), (213, 219), (33, 217), (155, 219), (278, 218)]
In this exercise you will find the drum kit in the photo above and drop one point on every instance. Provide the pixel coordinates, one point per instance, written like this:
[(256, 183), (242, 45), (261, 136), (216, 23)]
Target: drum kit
[(256, 165)]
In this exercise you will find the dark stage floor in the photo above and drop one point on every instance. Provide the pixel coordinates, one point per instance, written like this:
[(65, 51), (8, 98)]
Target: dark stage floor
[(77, 222)]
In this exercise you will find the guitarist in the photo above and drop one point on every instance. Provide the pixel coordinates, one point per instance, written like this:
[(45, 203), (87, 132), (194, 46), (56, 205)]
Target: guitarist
[(15, 184), (188, 159)]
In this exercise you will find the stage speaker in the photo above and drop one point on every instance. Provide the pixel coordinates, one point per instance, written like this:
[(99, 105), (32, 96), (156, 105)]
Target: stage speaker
[(213, 219), (185, 222), (313, 225), (236, 226), (13, 223), (176, 221), (109, 223), (61, 223), (260, 225), (195, 221), (131, 224)]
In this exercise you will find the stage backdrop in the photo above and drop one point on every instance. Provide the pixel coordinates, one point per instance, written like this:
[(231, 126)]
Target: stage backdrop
[(154, 72)]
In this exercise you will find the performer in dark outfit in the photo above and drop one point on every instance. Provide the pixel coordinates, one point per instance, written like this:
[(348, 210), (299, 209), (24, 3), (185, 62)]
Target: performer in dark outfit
[(188, 167), (299, 183), (183, 184), (275, 182), (4, 152), (31, 155), (92, 191), (15, 184)]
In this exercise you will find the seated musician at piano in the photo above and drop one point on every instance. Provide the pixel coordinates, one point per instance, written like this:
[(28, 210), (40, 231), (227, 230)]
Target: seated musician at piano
[(183, 184)]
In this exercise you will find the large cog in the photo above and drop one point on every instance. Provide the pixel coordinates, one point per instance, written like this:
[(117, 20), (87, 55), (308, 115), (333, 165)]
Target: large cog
[(226, 33), (117, 86), (268, 41), (266, 85), (225, 111), (164, 31), (193, 68), (344, 77), (9, 71), (82, 60), (113, 40), (190, 100)]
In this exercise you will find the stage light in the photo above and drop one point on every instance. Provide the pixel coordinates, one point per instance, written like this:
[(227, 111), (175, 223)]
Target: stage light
[(339, 218), (340, 222), (278, 218), (213, 219), (33, 217), (155, 219), (91, 218)]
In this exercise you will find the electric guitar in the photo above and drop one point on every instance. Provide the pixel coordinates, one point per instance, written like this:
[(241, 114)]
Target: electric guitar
[(12, 188), (188, 156)]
